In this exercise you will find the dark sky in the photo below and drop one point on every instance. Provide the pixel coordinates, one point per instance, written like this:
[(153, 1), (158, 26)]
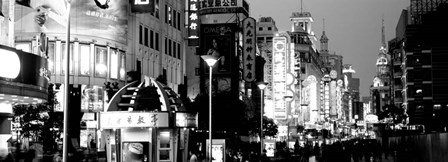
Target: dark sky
[(353, 27)]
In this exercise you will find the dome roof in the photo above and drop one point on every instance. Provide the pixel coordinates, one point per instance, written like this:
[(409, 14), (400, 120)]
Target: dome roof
[(149, 95)]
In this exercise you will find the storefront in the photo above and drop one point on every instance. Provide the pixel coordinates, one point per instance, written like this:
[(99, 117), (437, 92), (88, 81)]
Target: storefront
[(23, 80), (145, 122)]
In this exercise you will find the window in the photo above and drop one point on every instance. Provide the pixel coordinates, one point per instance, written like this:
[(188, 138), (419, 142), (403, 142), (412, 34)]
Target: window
[(419, 92), (156, 9), (174, 50), (169, 47), (269, 28), (178, 20), (260, 39), (178, 51), (157, 41), (268, 39), (141, 34), (170, 16), (85, 60), (174, 19), (260, 28), (146, 37), (166, 14), (166, 45), (151, 38)]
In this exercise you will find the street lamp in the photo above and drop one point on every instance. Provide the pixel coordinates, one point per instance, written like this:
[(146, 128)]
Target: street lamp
[(288, 99), (210, 60), (262, 86)]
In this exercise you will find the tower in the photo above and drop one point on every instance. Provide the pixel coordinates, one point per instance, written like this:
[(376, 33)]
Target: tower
[(324, 41)]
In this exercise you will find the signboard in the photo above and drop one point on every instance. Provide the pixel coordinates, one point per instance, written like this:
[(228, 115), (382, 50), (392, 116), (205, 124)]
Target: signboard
[(9, 64), (371, 118), (223, 6), (184, 119), (108, 20), (142, 6), (218, 40), (110, 120), (279, 77), (249, 49), (193, 23)]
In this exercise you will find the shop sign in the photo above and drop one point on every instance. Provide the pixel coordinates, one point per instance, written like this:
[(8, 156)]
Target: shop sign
[(9, 64), (193, 20), (111, 120), (184, 119), (249, 49)]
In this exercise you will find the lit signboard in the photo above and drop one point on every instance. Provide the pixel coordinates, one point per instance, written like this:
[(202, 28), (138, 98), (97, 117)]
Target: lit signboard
[(110, 120), (142, 6), (193, 20), (249, 49), (279, 77), (9, 64)]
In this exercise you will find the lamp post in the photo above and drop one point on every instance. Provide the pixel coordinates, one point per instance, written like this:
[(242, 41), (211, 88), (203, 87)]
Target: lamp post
[(210, 60), (288, 99), (66, 86), (262, 86)]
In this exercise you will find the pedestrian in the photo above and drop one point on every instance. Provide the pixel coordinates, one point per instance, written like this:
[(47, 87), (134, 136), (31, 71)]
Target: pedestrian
[(193, 157)]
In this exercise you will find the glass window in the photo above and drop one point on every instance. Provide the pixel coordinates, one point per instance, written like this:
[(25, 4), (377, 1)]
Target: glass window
[(174, 50), (166, 45), (156, 9), (260, 28), (166, 14), (51, 58), (122, 65), (113, 64), (146, 37), (178, 20), (85, 60), (63, 54), (178, 51), (169, 47), (269, 28), (174, 19), (140, 34), (157, 41), (100, 62), (151, 38)]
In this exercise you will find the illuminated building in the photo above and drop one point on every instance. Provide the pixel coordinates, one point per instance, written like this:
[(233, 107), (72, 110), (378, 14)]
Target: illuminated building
[(107, 41)]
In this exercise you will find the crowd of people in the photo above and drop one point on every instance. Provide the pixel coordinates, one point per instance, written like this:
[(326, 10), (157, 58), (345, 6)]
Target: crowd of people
[(354, 150)]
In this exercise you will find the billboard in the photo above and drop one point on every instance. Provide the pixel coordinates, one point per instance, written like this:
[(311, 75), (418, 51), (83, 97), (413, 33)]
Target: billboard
[(279, 77), (219, 40), (107, 20), (92, 98)]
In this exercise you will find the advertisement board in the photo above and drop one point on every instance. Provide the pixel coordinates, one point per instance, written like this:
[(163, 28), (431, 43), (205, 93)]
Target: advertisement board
[(193, 23), (219, 40), (92, 98), (218, 150), (106, 20), (279, 76), (188, 120)]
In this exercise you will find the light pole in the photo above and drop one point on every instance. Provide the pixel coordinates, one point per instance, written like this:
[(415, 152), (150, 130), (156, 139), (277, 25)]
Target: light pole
[(210, 60), (262, 86), (288, 99), (66, 86)]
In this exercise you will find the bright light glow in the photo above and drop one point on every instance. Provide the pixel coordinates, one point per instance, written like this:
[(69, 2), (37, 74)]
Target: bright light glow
[(262, 85), (9, 64), (210, 60)]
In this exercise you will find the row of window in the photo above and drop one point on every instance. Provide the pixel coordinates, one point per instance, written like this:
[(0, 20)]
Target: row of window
[(148, 38), (172, 17), (261, 28), (172, 48)]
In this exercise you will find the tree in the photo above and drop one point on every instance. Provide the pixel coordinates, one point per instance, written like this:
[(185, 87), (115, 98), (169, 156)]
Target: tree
[(393, 114), (270, 129)]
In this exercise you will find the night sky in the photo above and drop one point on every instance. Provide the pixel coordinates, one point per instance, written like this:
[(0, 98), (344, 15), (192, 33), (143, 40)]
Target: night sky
[(353, 27)]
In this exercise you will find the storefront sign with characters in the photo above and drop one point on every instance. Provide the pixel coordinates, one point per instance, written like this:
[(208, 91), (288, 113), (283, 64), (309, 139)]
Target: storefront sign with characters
[(110, 120)]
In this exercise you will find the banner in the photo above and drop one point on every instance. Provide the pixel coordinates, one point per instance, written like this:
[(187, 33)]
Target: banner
[(107, 20), (249, 49), (219, 40)]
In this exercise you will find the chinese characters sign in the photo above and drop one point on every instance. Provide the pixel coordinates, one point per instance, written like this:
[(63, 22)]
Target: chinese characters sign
[(110, 120), (249, 49), (193, 20), (279, 77)]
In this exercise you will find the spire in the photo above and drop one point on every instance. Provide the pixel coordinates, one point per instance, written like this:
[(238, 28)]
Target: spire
[(324, 40), (300, 6), (383, 35), (383, 38)]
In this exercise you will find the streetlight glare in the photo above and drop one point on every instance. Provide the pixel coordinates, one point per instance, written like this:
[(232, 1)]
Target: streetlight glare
[(210, 60)]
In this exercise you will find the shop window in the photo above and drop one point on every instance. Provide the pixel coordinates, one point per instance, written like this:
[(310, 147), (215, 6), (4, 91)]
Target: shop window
[(164, 146)]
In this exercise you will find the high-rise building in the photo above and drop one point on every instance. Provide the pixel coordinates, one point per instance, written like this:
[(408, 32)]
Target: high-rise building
[(421, 48)]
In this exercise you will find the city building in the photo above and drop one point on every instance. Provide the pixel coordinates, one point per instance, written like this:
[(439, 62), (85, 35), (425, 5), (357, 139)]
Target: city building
[(106, 41), (266, 30), (381, 88), (351, 94), (420, 46), (23, 79)]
